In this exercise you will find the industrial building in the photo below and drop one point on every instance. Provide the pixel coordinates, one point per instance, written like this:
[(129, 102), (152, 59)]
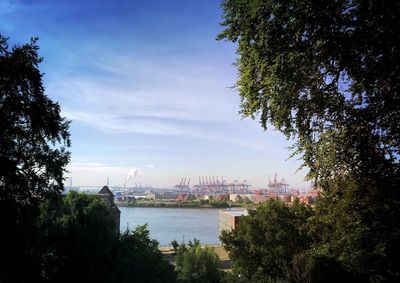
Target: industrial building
[(229, 218)]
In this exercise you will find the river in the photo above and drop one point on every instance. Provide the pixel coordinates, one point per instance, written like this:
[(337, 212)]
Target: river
[(168, 224)]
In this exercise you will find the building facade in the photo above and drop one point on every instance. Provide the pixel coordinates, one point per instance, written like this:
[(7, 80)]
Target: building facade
[(229, 218)]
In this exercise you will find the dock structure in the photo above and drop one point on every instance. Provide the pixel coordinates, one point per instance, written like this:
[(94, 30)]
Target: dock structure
[(277, 187), (211, 184), (183, 185)]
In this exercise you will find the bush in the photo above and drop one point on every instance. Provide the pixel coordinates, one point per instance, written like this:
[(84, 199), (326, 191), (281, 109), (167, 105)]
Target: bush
[(196, 264), (78, 243)]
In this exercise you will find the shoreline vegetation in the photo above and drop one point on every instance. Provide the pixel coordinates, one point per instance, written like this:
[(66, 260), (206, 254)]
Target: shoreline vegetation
[(182, 204)]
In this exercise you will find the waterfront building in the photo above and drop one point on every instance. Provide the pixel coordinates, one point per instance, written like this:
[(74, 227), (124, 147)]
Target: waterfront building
[(229, 218), (258, 198), (240, 197)]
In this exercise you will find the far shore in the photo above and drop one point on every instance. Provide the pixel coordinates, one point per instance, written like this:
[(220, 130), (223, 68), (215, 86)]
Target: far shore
[(181, 204)]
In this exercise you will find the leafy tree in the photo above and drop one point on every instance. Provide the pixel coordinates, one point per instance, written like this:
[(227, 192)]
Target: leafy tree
[(264, 244), (326, 74), (311, 69), (77, 239), (33, 156), (196, 264), (204, 201), (78, 243)]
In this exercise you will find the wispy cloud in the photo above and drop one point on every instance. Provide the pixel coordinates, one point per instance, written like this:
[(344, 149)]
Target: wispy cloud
[(7, 6), (157, 96), (213, 131), (157, 92)]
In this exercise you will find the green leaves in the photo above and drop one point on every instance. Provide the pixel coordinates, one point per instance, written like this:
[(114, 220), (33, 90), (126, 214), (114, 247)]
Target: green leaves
[(266, 241), (78, 242), (33, 155), (301, 62), (196, 264), (326, 73), (34, 136)]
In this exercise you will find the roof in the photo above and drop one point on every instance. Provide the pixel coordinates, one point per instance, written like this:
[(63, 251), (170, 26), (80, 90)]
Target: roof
[(105, 191), (236, 212)]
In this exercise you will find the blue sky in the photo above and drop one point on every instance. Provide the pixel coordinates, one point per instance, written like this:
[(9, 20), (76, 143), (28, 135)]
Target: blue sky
[(147, 86)]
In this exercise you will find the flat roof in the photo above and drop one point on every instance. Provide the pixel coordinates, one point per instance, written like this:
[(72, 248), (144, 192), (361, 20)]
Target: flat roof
[(236, 212)]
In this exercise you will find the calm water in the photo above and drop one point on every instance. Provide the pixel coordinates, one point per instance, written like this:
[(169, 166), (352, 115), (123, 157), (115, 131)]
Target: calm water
[(168, 224)]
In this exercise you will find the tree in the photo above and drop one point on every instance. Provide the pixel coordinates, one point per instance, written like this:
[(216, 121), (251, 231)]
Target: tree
[(78, 242), (139, 259), (33, 155), (265, 243), (34, 135), (77, 239), (326, 74), (314, 68), (196, 264)]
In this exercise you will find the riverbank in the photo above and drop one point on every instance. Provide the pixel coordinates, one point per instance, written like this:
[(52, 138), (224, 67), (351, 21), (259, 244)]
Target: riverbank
[(181, 204), (169, 254)]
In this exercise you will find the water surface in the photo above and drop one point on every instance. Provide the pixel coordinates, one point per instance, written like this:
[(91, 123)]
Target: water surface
[(168, 224)]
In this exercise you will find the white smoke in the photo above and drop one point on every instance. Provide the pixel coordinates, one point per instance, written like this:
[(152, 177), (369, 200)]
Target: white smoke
[(132, 174)]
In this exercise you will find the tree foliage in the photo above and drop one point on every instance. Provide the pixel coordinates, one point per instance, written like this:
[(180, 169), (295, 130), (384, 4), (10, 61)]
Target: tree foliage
[(326, 74), (33, 155), (34, 135), (78, 243), (139, 260), (264, 244), (196, 264), (319, 69), (77, 239)]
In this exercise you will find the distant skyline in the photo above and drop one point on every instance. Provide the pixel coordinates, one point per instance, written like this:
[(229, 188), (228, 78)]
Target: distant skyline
[(147, 86)]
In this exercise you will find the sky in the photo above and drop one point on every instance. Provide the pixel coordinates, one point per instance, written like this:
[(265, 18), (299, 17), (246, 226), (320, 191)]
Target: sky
[(147, 87)]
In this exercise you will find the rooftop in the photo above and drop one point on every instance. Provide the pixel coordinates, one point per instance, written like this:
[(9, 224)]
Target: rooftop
[(236, 212)]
